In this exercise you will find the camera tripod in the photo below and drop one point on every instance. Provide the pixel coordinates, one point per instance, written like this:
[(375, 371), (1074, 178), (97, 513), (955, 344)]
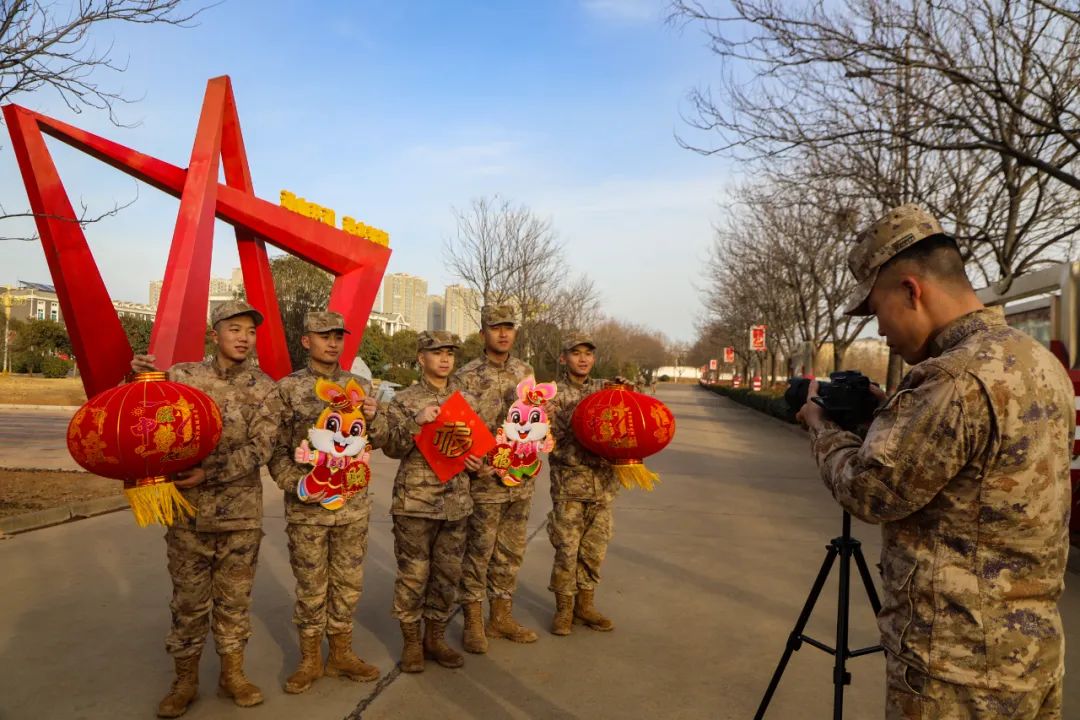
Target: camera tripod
[(845, 547)]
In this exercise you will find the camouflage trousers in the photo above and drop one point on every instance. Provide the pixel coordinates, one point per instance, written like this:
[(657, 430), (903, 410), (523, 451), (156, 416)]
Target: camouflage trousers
[(911, 695), (579, 532), (495, 550), (328, 564), (212, 574), (428, 552)]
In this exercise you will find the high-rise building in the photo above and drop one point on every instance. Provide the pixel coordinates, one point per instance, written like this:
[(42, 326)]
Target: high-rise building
[(436, 318), (406, 295), (155, 292), (461, 313)]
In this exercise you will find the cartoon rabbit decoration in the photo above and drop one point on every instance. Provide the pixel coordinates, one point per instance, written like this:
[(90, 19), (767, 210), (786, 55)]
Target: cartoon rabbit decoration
[(525, 434), (341, 451)]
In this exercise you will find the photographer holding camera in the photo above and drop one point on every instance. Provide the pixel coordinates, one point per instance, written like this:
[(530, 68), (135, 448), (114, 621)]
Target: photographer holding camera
[(966, 467)]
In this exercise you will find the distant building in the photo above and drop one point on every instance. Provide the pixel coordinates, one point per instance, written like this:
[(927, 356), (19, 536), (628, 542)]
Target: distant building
[(436, 306), (130, 309), (389, 323), (461, 313), (35, 301), (406, 295)]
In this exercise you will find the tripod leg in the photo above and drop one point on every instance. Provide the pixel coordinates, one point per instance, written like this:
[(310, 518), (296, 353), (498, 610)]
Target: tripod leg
[(795, 638), (840, 673), (868, 581)]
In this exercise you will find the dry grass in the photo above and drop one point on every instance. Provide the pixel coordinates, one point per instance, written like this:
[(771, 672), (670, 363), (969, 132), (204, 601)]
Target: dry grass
[(23, 390), (24, 491)]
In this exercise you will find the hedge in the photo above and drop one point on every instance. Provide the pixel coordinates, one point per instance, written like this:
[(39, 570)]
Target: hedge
[(769, 402)]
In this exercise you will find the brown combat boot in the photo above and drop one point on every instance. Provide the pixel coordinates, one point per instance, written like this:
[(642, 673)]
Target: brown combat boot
[(184, 688), (412, 654), (233, 683), (586, 614), (564, 614), (473, 637), (435, 646), (343, 662), (501, 624), (310, 668)]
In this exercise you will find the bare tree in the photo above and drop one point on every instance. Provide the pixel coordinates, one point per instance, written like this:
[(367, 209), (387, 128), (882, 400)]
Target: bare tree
[(49, 46), (509, 255), (985, 94)]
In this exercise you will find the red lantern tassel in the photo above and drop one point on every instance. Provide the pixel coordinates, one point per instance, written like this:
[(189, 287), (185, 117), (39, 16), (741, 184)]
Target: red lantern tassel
[(633, 473), (156, 500)]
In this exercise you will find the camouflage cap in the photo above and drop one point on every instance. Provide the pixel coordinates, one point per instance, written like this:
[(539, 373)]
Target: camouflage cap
[(435, 339), (318, 321), (576, 337), (497, 315), (231, 309), (896, 231)]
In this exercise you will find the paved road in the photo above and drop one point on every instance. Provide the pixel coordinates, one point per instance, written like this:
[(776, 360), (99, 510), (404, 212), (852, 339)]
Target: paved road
[(704, 580), (35, 438)]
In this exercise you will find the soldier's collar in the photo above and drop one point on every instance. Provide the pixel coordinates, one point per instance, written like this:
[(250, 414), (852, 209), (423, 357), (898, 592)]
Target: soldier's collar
[(334, 374), (568, 378), (227, 373), (431, 388), (495, 363), (964, 327)]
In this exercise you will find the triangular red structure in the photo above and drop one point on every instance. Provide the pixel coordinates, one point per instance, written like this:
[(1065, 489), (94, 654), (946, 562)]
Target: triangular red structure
[(101, 347)]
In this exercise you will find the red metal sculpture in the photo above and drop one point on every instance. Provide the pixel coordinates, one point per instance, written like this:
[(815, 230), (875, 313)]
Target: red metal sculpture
[(101, 347)]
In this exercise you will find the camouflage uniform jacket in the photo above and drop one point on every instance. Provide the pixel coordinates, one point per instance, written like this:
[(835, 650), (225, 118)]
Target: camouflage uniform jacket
[(302, 410), (967, 467), (417, 490), (231, 496), (576, 473), (493, 385)]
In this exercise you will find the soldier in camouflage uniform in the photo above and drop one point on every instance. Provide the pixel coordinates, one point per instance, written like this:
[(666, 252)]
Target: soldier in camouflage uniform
[(212, 555), (326, 547), (583, 489), (497, 528), (429, 516), (967, 469)]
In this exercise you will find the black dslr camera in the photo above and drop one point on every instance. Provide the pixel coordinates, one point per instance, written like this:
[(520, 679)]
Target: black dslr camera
[(846, 398)]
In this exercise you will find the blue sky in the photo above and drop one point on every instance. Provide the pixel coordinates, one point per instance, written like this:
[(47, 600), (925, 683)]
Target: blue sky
[(395, 113)]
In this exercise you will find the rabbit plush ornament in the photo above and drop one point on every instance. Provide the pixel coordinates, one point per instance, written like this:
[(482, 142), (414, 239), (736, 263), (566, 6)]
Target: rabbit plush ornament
[(525, 434), (341, 450)]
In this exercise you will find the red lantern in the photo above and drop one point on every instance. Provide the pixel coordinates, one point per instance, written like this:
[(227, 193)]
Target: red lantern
[(624, 427), (141, 433)]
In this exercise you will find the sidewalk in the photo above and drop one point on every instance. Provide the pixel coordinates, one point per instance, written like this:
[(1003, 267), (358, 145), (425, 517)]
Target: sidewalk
[(704, 580)]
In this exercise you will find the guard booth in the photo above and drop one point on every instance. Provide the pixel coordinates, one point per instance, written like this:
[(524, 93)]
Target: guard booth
[(1046, 305)]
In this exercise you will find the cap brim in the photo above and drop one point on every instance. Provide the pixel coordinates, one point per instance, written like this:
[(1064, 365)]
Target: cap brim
[(440, 347), (586, 343), (255, 315), (858, 304), (330, 329)]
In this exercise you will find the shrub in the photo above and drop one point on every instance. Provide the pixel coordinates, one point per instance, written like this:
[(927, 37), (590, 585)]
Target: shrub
[(401, 375), (54, 367), (769, 402), (665, 378)]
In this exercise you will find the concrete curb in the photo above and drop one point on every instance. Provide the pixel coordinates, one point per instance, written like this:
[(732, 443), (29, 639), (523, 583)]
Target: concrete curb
[(55, 516), (16, 408)]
